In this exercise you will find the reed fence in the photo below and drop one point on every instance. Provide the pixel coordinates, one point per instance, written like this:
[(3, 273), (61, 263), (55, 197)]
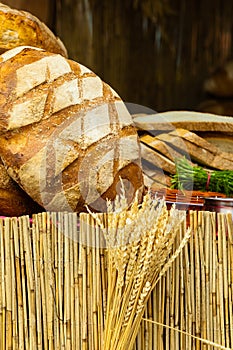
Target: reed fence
[(53, 286)]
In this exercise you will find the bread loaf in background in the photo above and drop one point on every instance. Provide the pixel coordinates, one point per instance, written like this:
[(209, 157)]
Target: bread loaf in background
[(22, 28), (220, 106), (220, 82), (218, 90), (65, 136)]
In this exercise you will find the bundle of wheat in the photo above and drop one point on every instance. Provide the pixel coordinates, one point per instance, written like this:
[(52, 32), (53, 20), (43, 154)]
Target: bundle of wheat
[(139, 241)]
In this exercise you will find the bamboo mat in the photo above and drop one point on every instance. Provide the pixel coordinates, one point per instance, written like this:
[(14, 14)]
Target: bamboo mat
[(53, 286)]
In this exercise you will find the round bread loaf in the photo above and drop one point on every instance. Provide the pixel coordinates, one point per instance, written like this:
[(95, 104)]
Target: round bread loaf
[(220, 82), (65, 136), (22, 28)]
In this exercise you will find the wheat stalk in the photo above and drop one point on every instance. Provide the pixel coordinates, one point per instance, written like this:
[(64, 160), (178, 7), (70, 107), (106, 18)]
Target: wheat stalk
[(139, 240)]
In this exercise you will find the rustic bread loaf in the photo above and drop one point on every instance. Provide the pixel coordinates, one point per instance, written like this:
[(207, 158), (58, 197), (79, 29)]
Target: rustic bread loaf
[(220, 82), (221, 106), (65, 136), (22, 28)]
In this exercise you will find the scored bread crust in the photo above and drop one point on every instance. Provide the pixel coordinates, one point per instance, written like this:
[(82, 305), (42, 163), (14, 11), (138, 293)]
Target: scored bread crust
[(65, 136), (19, 28), (13, 200)]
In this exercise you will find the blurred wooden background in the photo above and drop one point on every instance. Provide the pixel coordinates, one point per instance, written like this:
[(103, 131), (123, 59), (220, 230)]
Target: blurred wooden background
[(154, 53)]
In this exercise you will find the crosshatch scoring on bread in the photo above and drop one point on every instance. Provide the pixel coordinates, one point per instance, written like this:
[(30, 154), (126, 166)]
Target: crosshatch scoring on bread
[(66, 137)]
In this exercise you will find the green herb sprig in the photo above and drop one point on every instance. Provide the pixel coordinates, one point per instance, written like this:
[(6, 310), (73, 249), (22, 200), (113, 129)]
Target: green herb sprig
[(196, 178)]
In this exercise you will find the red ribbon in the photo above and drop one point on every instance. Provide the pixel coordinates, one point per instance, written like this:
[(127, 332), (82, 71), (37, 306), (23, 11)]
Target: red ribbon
[(208, 181)]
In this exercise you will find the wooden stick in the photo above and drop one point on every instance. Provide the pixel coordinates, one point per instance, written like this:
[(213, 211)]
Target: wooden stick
[(43, 281), (37, 266), (177, 295), (162, 306), (182, 290), (221, 279), (24, 284), (197, 290), (172, 308), (225, 281), (83, 270), (207, 256), (8, 282), (216, 326), (168, 292), (3, 288), (99, 290), (201, 234), (15, 335), (95, 282), (30, 280), (60, 288), (158, 315), (72, 291), (230, 271), (193, 225), (90, 231), (76, 224), (67, 315), (49, 259), (54, 250), (188, 295)]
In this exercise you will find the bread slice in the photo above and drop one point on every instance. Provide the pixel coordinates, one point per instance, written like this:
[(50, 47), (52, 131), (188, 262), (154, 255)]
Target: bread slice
[(19, 28), (210, 157), (162, 147), (192, 137), (223, 141), (157, 159), (193, 121)]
